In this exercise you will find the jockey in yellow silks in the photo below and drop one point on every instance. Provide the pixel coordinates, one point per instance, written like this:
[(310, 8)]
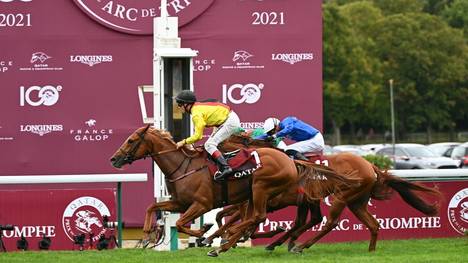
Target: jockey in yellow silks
[(209, 114)]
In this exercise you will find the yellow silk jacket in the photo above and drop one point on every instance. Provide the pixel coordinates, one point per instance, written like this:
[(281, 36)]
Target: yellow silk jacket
[(207, 114)]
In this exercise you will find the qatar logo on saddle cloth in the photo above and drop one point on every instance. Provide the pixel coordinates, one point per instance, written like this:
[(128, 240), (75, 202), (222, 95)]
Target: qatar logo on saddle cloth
[(244, 163)]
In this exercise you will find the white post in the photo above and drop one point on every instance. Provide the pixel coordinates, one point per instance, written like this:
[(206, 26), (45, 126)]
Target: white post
[(167, 44), (392, 116)]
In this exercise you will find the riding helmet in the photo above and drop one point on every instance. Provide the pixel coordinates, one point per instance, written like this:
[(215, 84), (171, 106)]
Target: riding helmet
[(270, 124), (186, 96)]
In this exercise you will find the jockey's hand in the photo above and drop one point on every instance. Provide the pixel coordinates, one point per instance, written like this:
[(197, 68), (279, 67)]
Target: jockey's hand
[(269, 138), (180, 144)]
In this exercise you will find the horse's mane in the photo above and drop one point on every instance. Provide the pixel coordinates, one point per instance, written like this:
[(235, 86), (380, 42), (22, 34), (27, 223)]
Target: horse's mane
[(245, 139), (162, 133), (165, 134)]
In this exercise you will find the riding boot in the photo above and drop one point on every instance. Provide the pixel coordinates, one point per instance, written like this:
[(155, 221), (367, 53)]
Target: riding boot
[(223, 167), (300, 156), (296, 155)]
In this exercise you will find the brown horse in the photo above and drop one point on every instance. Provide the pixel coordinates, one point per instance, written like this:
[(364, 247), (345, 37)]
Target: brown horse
[(374, 183), (193, 191)]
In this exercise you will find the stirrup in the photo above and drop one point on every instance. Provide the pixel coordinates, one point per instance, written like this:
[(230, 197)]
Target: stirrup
[(219, 176)]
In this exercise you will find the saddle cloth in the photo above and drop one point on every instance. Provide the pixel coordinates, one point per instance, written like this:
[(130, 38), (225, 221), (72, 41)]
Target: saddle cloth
[(243, 163), (317, 158)]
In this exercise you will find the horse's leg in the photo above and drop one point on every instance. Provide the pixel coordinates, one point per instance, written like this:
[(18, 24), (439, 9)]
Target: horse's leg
[(194, 211), (301, 217), (335, 211), (147, 226), (258, 208), (234, 217), (227, 211), (361, 212), (315, 218), (165, 206)]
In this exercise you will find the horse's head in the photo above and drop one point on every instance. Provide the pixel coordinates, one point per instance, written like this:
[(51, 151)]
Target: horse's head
[(143, 142), (135, 147)]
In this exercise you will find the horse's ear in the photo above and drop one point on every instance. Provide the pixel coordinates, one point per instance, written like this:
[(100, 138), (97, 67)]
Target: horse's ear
[(147, 127)]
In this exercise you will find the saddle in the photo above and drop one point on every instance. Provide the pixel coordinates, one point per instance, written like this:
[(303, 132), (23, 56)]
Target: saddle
[(242, 162)]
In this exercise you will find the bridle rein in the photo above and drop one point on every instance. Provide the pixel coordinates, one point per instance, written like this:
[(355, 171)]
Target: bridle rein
[(129, 156)]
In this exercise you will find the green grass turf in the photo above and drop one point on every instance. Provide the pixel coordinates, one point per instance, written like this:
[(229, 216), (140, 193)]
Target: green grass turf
[(415, 250)]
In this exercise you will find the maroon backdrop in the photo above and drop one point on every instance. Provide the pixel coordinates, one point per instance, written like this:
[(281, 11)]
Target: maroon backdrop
[(60, 215), (397, 219), (69, 72)]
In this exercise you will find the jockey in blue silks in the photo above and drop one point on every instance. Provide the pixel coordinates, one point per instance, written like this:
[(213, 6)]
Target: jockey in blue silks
[(306, 137)]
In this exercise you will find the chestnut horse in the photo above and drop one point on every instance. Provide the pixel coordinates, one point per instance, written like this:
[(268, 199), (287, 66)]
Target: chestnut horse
[(193, 191), (374, 183)]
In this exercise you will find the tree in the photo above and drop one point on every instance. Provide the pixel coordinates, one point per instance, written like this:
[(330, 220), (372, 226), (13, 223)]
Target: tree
[(456, 15), (427, 60), (390, 7), (350, 74)]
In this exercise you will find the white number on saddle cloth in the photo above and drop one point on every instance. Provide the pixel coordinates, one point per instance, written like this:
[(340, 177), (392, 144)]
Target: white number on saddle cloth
[(322, 162), (257, 159)]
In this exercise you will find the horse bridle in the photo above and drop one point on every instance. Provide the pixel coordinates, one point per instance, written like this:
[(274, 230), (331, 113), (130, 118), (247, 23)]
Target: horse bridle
[(130, 155)]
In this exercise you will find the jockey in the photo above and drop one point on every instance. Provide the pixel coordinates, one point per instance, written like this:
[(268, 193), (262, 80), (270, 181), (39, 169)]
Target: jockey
[(259, 132), (308, 138), (209, 114)]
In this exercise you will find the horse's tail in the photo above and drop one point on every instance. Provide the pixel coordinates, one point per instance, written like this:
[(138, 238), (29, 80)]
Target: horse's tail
[(320, 181), (386, 182)]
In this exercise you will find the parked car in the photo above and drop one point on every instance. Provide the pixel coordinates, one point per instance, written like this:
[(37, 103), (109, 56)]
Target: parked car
[(459, 153), (373, 147), (442, 147), (354, 149), (416, 156)]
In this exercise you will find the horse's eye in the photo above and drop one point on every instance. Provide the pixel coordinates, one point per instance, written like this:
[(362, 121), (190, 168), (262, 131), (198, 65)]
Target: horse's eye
[(130, 141)]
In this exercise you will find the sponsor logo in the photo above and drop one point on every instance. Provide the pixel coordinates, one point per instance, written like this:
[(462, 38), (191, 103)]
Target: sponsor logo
[(240, 174), (39, 56), (41, 129), (90, 132), (251, 125), (345, 224), (292, 58), (38, 63), (136, 17), (85, 215), (203, 64), (37, 96), (458, 211), (241, 60), (30, 231), (5, 65), (239, 93), (91, 60), (90, 122)]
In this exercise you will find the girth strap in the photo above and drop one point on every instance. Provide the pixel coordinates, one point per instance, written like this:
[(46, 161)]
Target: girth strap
[(225, 192)]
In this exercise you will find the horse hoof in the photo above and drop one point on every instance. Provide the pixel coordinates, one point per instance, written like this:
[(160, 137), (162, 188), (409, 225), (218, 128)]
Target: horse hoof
[(270, 248), (213, 253), (199, 241), (207, 242), (291, 245), (223, 241), (145, 243), (296, 250)]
